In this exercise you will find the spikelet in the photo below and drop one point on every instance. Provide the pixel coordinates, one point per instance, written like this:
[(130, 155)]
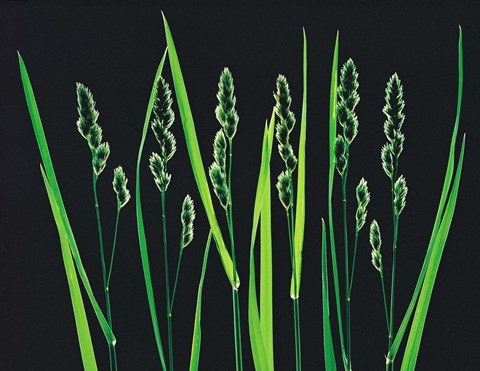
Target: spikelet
[(94, 137), (220, 149), (283, 101), (187, 217), (393, 107), (363, 199), (163, 117), (400, 195), (88, 115), (100, 157), (348, 100), (120, 187), (219, 183), (376, 242), (340, 155), (284, 189), (225, 111), (387, 159), (159, 170)]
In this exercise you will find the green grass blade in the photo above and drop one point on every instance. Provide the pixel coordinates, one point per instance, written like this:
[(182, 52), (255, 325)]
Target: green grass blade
[(52, 180), (300, 205), (81, 322), (441, 209), (142, 239), (418, 324), (195, 155), (266, 269), (331, 174), (329, 352), (197, 327), (262, 342)]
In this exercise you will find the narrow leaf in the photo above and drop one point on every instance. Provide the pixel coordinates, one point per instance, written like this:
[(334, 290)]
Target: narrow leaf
[(197, 327), (81, 322), (328, 349), (52, 180), (195, 155), (440, 211), (300, 205), (142, 239), (418, 324), (261, 334)]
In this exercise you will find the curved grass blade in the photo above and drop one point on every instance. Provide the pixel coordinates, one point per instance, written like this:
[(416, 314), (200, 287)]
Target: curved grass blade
[(81, 322), (329, 353), (261, 333), (300, 205), (331, 173), (418, 324), (440, 212), (197, 327), (195, 155), (52, 180), (142, 239)]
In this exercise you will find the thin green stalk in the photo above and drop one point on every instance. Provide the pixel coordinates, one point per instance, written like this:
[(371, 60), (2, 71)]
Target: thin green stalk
[(347, 268), (384, 299), (180, 254), (353, 263), (111, 348), (296, 308), (167, 284), (235, 299), (113, 248), (392, 292)]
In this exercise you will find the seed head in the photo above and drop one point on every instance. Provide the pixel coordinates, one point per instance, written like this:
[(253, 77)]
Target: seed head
[(340, 155), (400, 195), (220, 149), (100, 157), (120, 187), (87, 113), (187, 217), (283, 101), (393, 107), (159, 170), (348, 100), (162, 106), (397, 144), (376, 242), (225, 111), (284, 189), (363, 199), (387, 159), (219, 183), (94, 136)]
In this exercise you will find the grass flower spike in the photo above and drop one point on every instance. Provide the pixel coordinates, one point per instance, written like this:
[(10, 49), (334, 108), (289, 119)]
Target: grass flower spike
[(87, 113), (120, 187), (220, 172), (400, 195), (376, 242), (187, 217), (363, 199), (159, 170)]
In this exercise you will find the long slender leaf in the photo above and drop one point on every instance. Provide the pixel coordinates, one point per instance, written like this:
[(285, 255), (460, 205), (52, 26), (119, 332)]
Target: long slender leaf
[(441, 209), (329, 353), (197, 327), (418, 324), (142, 239), (52, 180), (195, 155), (300, 205), (81, 322), (262, 342), (331, 173)]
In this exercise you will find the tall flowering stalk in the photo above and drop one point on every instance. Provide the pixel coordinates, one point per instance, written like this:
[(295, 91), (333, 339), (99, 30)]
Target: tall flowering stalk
[(91, 131), (390, 154), (220, 173), (284, 127)]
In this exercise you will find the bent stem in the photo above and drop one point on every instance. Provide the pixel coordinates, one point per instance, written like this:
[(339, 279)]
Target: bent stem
[(112, 355), (167, 285), (347, 269)]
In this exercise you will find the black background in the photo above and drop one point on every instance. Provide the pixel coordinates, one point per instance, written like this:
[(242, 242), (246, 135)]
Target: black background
[(115, 51)]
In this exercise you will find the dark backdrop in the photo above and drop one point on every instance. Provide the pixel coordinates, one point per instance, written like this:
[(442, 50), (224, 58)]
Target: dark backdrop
[(115, 51)]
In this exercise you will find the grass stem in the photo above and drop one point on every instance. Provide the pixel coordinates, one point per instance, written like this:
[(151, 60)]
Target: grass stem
[(180, 254), (347, 268), (167, 285)]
